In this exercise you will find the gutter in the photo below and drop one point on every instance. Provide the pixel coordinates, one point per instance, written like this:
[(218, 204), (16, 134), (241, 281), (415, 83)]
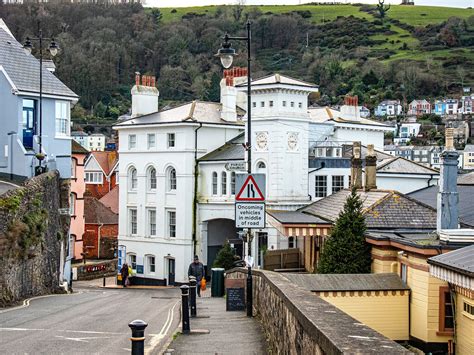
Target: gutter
[(195, 199)]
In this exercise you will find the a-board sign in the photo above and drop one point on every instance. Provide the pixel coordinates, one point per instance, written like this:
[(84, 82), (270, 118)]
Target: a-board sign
[(235, 299)]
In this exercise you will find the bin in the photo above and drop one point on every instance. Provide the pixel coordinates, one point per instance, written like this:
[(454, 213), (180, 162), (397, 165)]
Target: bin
[(217, 282)]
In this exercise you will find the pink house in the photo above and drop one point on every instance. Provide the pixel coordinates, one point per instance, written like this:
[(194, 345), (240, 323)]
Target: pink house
[(78, 187)]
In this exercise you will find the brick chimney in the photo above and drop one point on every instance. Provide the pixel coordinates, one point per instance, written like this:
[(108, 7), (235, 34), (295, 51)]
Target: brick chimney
[(448, 198), (370, 168), (144, 95), (356, 167), (230, 97), (350, 110)]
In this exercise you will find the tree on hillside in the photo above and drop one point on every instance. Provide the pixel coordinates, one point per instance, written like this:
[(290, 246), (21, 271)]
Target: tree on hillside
[(345, 250), (382, 9)]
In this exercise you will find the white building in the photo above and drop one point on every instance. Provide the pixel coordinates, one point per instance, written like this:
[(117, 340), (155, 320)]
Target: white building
[(388, 108), (93, 142), (406, 132)]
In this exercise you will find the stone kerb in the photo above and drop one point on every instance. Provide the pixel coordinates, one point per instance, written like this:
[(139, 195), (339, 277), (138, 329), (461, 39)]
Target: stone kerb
[(298, 322)]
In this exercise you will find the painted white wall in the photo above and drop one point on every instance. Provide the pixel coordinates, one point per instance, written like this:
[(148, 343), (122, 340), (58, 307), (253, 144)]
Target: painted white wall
[(365, 136)]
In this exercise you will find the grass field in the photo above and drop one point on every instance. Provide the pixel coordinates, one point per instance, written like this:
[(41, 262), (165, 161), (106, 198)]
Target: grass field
[(413, 15)]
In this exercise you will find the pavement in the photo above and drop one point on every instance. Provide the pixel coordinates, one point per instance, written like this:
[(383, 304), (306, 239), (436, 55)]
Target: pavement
[(228, 332), (92, 320), (6, 186)]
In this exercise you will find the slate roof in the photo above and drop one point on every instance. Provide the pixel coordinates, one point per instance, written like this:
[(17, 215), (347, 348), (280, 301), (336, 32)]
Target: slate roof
[(76, 148), (429, 195), (348, 282), (469, 148), (460, 260), (23, 68), (190, 112), (111, 199), (95, 212), (231, 150), (295, 217), (399, 165), (328, 115), (466, 179), (382, 209), (422, 239)]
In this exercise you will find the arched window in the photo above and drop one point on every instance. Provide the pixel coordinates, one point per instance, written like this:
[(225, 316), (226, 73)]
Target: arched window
[(133, 179), (224, 183), (151, 178), (261, 165), (232, 183), (214, 183), (172, 179)]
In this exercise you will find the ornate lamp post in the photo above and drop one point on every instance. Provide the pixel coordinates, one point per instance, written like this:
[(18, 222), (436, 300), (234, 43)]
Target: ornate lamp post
[(53, 50), (226, 53)]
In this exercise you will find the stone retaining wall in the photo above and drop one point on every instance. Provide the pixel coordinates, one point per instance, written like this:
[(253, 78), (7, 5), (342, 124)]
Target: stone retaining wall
[(297, 322), (97, 270)]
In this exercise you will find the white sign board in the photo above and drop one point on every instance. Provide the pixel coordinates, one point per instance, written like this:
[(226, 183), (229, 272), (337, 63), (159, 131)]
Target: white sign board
[(249, 215)]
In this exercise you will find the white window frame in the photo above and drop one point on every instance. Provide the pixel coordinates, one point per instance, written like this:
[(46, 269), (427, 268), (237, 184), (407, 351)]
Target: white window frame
[(132, 260), (151, 222), (93, 177), (151, 140), (224, 183), (133, 179), (151, 179), (133, 221), (232, 183), (72, 204), (215, 183), (149, 264), (171, 217), (132, 141), (317, 190), (337, 187), (172, 180), (62, 116), (171, 140)]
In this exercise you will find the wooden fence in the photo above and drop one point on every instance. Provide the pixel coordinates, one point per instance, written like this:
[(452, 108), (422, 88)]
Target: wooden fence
[(281, 259)]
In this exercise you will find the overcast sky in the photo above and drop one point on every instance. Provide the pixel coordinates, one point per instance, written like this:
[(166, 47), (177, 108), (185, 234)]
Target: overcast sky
[(178, 3)]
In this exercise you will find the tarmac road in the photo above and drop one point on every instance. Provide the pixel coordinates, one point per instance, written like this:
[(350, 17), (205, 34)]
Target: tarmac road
[(90, 321)]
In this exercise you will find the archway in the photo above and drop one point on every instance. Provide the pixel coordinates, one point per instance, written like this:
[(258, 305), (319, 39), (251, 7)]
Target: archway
[(218, 232)]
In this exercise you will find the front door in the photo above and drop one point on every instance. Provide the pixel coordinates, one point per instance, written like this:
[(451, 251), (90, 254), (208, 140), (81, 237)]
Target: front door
[(171, 272), (29, 122)]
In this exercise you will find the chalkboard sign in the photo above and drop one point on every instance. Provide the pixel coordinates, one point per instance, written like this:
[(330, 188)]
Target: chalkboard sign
[(235, 299), (139, 269)]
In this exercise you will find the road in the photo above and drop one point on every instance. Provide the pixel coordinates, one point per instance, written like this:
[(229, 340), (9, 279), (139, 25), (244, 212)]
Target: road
[(89, 321)]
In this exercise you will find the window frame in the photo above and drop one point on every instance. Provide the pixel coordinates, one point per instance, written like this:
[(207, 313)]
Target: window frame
[(232, 183), (149, 264), (132, 143), (318, 189), (172, 180), (133, 180), (224, 183), (171, 140), (339, 186), (171, 215), (151, 179), (148, 141), (63, 123), (131, 222), (215, 183), (130, 262), (91, 177), (150, 219), (443, 330)]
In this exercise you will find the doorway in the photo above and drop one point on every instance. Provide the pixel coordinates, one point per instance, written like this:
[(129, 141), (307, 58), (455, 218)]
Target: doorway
[(171, 271), (219, 231), (29, 122)]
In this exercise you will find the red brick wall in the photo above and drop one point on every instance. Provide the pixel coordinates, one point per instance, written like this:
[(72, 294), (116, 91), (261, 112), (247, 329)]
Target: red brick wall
[(99, 191), (91, 239)]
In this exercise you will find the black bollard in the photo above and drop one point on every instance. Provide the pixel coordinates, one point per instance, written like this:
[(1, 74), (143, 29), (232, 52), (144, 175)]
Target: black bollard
[(185, 308), (103, 282), (192, 296), (138, 336), (249, 293)]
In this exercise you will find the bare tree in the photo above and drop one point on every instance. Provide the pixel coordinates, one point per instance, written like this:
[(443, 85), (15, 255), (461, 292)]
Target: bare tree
[(238, 9), (382, 9)]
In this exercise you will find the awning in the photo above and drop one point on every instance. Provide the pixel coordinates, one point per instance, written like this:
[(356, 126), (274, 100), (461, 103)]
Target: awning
[(452, 277)]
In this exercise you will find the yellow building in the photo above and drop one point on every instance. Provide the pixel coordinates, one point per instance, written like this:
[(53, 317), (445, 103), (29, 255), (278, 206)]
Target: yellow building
[(457, 269), (380, 301)]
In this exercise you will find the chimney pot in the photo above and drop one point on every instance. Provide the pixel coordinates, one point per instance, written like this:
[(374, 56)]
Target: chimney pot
[(370, 168), (143, 80), (356, 168), (449, 138), (153, 81), (137, 78)]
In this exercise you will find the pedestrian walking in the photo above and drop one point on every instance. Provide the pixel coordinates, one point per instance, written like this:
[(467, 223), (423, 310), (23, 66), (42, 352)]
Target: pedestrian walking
[(124, 273), (196, 269)]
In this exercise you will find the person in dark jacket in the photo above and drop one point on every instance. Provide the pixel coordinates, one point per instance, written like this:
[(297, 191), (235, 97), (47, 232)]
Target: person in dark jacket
[(196, 269), (124, 273)]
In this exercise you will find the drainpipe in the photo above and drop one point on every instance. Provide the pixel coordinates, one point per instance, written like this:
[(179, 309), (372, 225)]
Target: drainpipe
[(429, 180), (98, 243), (195, 199)]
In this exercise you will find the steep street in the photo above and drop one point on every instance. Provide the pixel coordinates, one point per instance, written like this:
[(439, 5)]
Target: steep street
[(91, 320)]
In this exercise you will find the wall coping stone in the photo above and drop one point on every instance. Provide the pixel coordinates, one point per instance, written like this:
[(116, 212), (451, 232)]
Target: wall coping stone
[(333, 330)]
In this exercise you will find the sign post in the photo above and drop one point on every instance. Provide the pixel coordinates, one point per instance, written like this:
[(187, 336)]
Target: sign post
[(250, 214)]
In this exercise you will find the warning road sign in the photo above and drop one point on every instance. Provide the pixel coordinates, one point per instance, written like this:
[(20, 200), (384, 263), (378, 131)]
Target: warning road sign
[(249, 215), (250, 187)]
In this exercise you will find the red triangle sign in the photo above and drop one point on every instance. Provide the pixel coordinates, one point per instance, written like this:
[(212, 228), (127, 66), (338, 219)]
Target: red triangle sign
[(250, 191)]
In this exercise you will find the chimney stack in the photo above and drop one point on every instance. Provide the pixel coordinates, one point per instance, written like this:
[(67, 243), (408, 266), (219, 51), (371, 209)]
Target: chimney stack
[(370, 169), (448, 198), (356, 167), (144, 95), (229, 95)]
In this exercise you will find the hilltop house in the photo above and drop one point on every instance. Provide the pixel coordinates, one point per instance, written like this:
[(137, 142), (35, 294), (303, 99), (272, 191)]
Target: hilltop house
[(407, 131), (419, 107), (26, 141), (92, 142), (468, 157), (388, 108), (446, 107), (466, 104)]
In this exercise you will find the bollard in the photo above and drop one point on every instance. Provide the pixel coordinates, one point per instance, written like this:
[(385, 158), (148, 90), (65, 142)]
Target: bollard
[(185, 309), (103, 282), (192, 296), (138, 336)]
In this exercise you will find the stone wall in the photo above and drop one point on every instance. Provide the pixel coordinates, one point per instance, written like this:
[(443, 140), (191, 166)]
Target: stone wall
[(297, 322), (31, 234), (95, 270)]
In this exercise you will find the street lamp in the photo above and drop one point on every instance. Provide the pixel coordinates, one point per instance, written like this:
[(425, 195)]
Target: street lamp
[(53, 50), (226, 54)]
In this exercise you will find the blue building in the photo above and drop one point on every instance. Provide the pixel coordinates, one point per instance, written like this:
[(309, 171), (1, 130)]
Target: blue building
[(19, 113), (388, 108)]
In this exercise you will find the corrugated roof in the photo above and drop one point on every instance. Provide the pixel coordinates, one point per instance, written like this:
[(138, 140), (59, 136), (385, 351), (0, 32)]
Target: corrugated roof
[(382, 210), (231, 150), (195, 111), (296, 217), (23, 69), (95, 212), (466, 197), (460, 260), (347, 282)]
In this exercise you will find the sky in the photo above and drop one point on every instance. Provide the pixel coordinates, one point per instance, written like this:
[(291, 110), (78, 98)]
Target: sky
[(180, 3)]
